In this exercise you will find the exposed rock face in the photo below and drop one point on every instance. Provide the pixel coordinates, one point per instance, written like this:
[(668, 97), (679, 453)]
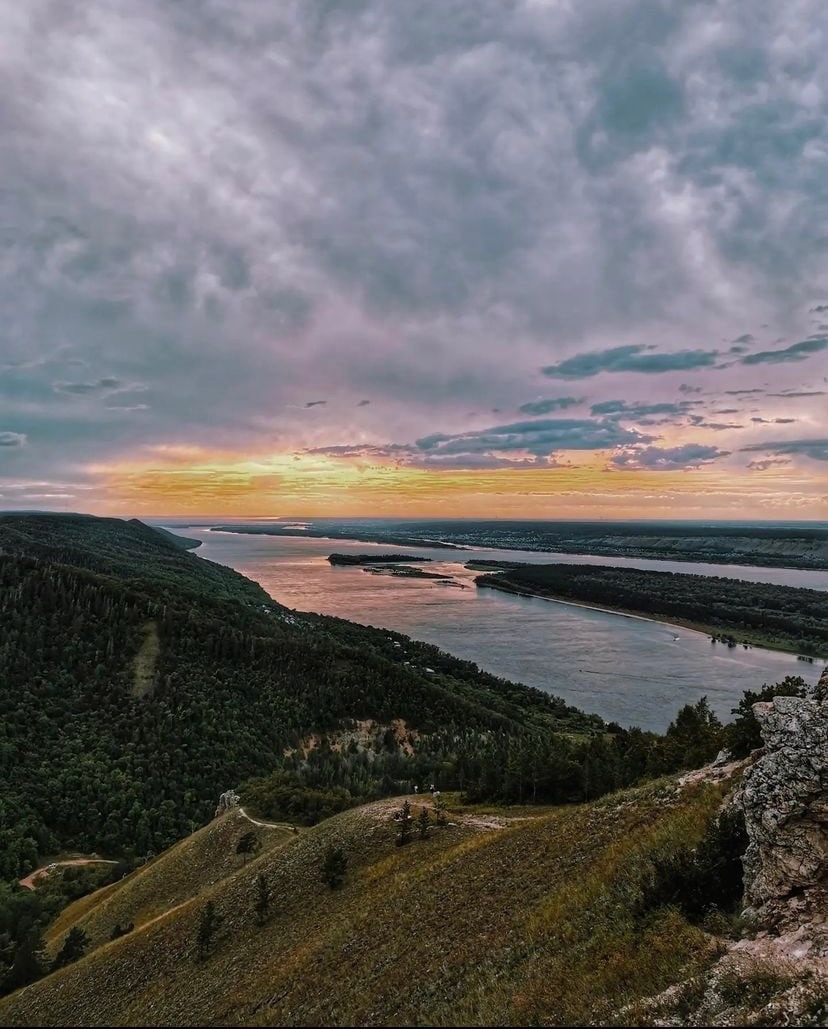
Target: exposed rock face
[(227, 800), (785, 800)]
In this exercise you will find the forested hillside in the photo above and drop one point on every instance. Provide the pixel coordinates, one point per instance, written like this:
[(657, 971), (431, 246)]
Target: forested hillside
[(137, 681)]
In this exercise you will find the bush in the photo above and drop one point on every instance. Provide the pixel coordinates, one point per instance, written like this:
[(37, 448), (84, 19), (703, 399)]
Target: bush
[(703, 880)]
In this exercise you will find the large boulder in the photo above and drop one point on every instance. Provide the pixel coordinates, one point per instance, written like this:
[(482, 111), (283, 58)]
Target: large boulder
[(784, 796), (227, 801)]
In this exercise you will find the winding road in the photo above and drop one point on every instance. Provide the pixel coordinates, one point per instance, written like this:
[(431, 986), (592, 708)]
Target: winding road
[(39, 873)]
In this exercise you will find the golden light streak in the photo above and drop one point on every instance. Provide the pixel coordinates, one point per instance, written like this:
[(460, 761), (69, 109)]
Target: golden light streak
[(192, 481)]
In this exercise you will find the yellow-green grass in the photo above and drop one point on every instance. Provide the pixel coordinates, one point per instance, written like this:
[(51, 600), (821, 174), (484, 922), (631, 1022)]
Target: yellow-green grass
[(196, 863), (146, 660), (532, 923)]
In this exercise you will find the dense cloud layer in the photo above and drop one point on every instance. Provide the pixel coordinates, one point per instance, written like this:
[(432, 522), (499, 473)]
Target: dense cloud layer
[(214, 211)]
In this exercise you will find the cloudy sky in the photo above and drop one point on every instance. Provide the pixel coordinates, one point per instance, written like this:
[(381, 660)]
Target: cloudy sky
[(464, 257)]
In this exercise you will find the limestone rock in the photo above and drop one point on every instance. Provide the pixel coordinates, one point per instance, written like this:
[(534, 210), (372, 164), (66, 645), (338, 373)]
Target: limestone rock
[(227, 801), (784, 796)]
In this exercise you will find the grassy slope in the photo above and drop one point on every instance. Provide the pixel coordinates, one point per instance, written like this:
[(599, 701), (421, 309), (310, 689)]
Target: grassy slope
[(178, 874), (523, 919)]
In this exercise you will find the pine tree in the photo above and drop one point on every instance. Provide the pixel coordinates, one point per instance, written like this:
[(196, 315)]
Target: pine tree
[(333, 866), (261, 905), (28, 962), (423, 823), (248, 844), (405, 825), (74, 947), (208, 923), (439, 810)]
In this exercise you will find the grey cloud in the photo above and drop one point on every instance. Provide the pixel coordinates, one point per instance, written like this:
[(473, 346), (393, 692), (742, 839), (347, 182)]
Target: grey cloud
[(492, 447), (685, 388), (241, 204), (743, 392), (315, 403), (819, 309), (536, 437), (620, 409), (12, 439), (550, 404), (85, 388), (795, 352), (666, 459), (632, 358), (773, 421), (745, 338), (363, 403), (800, 393), (817, 449), (769, 462)]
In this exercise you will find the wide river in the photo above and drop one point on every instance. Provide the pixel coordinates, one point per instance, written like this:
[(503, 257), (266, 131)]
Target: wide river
[(629, 670)]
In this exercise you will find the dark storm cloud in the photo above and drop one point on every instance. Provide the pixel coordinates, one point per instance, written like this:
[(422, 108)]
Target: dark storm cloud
[(632, 358)]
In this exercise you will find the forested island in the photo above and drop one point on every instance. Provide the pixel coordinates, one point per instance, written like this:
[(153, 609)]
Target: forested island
[(730, 610), (374, 559)]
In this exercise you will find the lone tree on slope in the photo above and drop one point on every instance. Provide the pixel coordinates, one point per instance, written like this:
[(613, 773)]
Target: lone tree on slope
[(334, 866), (74, 947), (248, 844), (208, 924), (261, 905)]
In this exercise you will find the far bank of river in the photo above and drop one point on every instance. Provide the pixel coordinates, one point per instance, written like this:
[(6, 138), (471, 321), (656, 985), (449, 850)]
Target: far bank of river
[(633, 671)]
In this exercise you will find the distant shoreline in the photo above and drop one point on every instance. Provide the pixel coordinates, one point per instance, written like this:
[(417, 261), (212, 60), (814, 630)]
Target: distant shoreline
[(616, 544), (711, 631)]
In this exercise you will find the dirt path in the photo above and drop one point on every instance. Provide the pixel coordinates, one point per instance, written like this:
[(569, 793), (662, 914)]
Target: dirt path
[(39, 873), (266, 825)]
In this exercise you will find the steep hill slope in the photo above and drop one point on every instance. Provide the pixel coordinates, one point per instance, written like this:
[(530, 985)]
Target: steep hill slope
[(138, 681), (496, 918)]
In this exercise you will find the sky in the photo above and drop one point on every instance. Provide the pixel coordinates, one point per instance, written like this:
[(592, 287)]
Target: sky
[(519, 258)]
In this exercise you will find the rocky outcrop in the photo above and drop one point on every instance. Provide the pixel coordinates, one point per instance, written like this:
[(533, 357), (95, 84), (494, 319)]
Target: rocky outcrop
[(227, 801), (784, 796)]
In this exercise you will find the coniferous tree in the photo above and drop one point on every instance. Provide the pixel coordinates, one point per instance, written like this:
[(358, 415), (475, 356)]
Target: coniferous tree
[(208, 924), (423, 823), (334, 866), (74, 947), (261, 904), (405, 825), (248, 844), (28, 964)]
